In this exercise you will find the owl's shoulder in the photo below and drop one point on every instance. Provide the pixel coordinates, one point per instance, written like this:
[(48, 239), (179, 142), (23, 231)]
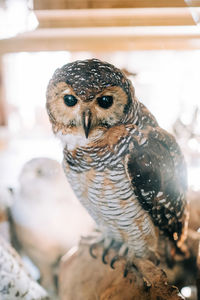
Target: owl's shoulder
[(145, 117)]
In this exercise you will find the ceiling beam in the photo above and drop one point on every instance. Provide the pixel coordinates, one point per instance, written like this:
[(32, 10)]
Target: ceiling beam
[(114, 17), (101, 39), (3, 113), (85, 4)]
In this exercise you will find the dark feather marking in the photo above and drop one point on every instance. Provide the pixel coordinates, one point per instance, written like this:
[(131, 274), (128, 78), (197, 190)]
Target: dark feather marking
[(157, 166)]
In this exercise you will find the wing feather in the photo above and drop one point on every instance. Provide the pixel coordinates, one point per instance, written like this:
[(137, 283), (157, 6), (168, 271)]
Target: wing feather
[(157, 172)]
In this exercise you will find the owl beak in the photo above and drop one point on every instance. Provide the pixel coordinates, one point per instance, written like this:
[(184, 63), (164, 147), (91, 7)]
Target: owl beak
[(86, 121)]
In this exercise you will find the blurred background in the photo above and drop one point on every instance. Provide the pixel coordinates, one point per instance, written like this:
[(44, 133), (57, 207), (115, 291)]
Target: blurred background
[(157, 44)]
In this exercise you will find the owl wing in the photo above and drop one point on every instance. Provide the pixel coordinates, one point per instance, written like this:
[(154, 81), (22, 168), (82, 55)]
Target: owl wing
[(157, 172)]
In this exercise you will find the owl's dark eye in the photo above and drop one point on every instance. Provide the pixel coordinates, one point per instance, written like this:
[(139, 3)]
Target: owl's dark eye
[(70, 100), (105, 101)]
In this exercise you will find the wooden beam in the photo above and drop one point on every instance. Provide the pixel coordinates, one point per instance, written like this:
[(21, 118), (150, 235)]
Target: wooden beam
[(80, 4), (3, 118), (102, 39), (114, 17)]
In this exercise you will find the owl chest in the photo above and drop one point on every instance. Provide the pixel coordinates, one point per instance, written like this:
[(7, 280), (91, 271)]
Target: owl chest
[(102, 191), (107, 195)]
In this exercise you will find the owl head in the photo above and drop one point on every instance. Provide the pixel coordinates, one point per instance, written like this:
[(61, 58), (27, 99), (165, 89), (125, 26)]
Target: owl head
[(87, 97), (41, 176)]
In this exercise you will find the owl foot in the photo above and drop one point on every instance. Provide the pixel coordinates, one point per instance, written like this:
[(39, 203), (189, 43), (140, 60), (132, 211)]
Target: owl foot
[(135, 265), (106, 243), (129, 267)]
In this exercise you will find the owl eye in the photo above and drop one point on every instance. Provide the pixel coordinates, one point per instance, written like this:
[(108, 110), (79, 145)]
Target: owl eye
[(105, 101), (70, 100)]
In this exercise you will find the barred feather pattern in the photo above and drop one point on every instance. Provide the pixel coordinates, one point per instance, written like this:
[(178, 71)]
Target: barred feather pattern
[(104, 189)]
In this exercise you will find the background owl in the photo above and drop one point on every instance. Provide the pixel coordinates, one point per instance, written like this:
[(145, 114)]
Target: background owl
[(127, 171), (15, 282), (43, 215)]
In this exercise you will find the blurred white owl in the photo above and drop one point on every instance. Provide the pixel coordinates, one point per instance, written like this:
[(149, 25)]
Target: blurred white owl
[(48, 218)]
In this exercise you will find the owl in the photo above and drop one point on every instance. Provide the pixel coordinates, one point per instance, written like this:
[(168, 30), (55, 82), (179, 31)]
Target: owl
[(127, 172), (42, 213), (15, 282)]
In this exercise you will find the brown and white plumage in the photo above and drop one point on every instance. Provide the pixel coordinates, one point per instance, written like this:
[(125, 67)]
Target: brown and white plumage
[(127, 171), (15, 282)]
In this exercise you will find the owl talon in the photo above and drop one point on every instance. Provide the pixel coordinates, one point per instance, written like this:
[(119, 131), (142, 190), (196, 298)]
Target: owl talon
[(105, 252), (128, 267), (114, 259), (92, 247), (109, 244), (123, 250), (126, 271)]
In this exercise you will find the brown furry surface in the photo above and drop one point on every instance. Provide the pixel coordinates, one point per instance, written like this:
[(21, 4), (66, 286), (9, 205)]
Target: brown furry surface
[(85, 278)]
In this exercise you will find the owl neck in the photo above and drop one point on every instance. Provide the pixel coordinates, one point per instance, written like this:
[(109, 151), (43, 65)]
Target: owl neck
[(72, 141)]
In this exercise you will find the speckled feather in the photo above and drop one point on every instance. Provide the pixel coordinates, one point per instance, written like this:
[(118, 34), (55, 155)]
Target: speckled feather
[(158, 175), (129, 174), (15, 282), (89, 77)]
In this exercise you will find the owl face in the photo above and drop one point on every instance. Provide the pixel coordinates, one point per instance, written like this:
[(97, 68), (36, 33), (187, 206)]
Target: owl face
[(85, 98)]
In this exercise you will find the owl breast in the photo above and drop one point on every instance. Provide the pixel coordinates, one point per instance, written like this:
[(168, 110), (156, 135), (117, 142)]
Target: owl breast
[(104, 189)]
